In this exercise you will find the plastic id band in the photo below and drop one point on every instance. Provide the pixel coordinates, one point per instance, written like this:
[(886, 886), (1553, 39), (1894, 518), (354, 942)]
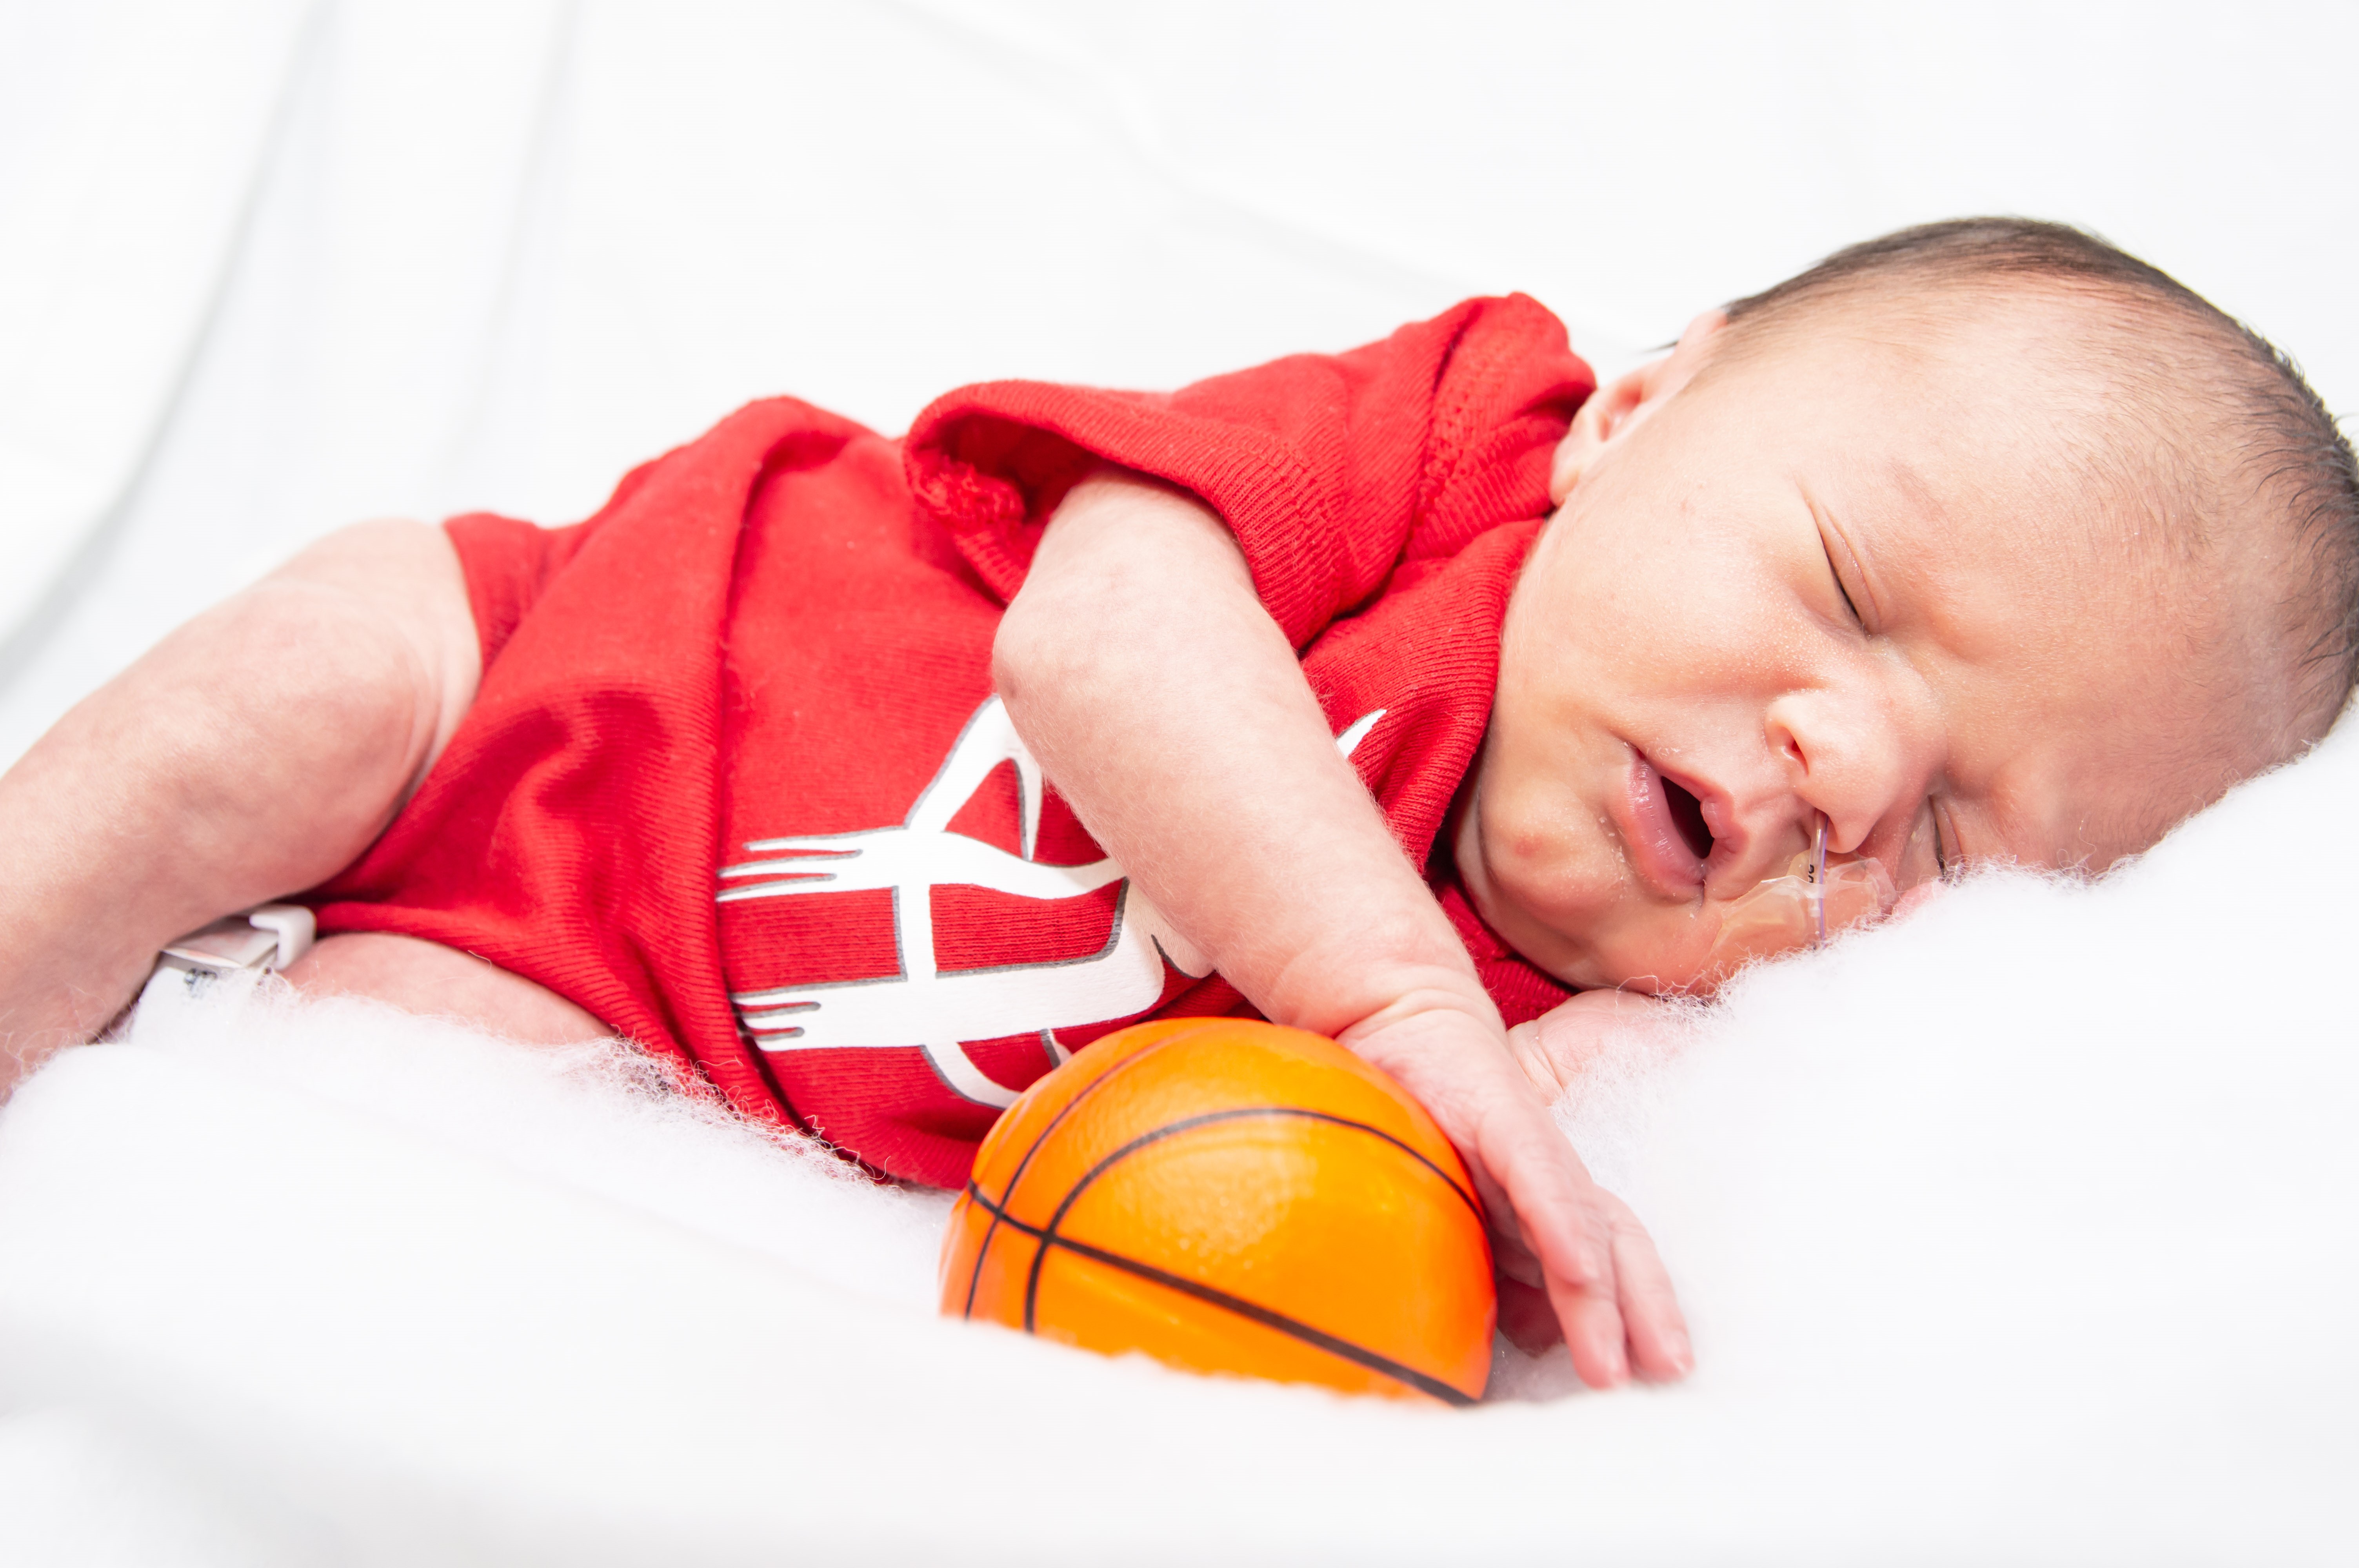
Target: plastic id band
[(270, 937)]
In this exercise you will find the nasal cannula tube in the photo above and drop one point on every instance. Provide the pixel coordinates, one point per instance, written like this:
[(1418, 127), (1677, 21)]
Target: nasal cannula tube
[(1819, 882), (1789, 912)]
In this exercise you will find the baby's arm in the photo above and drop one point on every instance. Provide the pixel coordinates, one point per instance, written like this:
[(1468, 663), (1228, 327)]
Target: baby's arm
[(252, 754), (1141, 668)]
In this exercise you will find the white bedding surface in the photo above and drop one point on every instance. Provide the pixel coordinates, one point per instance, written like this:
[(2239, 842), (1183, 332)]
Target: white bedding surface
[(2025, 1230), (2008, 1234)]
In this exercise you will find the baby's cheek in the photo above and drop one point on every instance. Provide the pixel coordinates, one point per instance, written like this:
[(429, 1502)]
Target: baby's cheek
[(1522, 822), (1918, 897), (1535, 860)]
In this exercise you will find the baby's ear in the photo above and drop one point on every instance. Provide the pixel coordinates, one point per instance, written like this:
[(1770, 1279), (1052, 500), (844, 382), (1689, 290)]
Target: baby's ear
[(1614, 410)]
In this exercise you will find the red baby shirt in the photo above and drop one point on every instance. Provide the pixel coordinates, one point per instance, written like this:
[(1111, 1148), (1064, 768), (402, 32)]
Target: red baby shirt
[(736, 781)]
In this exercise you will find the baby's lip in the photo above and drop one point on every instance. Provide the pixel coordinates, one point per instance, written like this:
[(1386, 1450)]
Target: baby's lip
[(1729, 837), (1657, 853)]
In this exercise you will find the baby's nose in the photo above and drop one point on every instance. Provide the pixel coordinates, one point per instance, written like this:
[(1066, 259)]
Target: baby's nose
[(1852, 754)]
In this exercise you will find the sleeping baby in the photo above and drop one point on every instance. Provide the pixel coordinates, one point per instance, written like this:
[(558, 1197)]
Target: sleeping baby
[(1426, 696)]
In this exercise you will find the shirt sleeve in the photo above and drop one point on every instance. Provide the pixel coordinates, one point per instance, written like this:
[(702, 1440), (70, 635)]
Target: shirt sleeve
[(507, 562), (1331, 469)]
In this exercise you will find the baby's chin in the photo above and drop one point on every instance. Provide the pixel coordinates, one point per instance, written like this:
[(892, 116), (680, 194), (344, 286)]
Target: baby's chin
[(1696, 950), (1650, 950), (1608, 935), (1665, 974), (1623, 942), (1674, 970)]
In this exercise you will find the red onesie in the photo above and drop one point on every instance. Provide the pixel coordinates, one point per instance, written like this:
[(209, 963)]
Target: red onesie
[(736, 782)]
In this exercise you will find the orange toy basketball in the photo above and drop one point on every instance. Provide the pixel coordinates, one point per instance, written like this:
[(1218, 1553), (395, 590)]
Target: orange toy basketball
[(1231, 1197)]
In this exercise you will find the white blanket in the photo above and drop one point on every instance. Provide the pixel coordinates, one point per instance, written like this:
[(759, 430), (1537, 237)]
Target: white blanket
[(2010, 1233), (2023, 1230)]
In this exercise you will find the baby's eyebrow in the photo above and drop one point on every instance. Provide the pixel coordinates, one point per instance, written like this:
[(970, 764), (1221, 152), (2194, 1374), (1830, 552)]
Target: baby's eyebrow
[(1916, 491), (1886, 570)]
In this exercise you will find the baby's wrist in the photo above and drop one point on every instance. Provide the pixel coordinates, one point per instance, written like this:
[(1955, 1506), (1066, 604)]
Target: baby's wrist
[(1385, 954), (1421, 1016), (1445, 994), (1354, 979)]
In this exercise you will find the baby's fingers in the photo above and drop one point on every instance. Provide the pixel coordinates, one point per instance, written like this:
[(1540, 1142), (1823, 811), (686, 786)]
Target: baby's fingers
[(1570, 1232), (1658, 1330)]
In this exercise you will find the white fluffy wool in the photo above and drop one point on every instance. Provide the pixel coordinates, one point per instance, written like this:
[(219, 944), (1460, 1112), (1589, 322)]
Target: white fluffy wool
[(596, 1118), (2024, 1229)]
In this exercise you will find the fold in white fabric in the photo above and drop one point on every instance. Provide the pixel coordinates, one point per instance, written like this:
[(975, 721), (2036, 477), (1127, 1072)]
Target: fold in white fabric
[(134, 132), (497, 251)]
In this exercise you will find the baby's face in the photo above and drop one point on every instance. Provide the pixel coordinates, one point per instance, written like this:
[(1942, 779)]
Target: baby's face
[(1845, 574)]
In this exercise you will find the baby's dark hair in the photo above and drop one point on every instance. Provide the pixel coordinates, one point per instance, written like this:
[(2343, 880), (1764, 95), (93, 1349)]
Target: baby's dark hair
[(2292, 453)]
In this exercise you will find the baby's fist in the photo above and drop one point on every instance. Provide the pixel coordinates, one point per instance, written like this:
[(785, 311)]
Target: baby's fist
[(1561, 1045)]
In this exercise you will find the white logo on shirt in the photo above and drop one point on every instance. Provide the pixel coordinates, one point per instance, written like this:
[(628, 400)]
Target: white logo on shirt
[(933, 1010)]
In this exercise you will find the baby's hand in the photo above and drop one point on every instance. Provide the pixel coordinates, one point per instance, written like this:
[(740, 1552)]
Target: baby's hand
[(1562, 1241), (1556, 1048)]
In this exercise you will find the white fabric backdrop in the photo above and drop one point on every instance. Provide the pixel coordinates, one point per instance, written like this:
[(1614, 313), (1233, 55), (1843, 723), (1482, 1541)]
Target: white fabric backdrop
[(2024, 1231), (271, 268)]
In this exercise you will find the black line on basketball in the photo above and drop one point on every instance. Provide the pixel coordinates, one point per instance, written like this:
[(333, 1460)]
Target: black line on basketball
[(1008, 1194), (1210, 1117), (1032, 1282), (1032, 1286), (1359, 1354)]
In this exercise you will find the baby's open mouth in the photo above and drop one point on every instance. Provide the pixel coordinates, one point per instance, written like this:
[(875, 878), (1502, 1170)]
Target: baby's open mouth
[(1687, 815), (1669, 844)]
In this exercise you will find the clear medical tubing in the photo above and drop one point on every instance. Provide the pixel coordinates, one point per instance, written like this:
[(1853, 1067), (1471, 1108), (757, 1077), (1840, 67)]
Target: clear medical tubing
[(1797, 909)]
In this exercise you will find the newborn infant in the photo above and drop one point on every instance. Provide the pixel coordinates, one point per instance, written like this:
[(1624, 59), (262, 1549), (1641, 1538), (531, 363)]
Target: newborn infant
[(1426, 697)]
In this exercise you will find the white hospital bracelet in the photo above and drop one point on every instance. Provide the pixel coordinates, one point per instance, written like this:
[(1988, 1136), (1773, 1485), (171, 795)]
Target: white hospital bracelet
[(270, 937)]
